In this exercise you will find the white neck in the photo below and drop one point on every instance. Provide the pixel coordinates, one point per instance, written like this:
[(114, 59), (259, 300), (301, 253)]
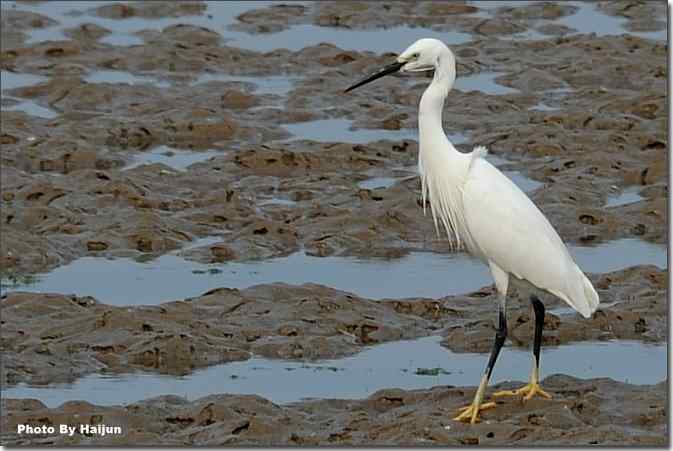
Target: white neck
[(443, 169), (432, 101)]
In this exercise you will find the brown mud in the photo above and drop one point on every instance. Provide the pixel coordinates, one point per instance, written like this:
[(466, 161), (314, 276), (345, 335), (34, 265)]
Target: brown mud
[(582, 412), (66, 193), (58, 338)]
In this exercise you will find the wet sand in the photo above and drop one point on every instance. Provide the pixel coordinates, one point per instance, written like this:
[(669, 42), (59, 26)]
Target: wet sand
[(185, 187)]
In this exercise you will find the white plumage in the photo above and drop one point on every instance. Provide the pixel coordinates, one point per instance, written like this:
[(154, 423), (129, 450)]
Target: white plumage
[(486, 214), (518, 239), (483, 211)]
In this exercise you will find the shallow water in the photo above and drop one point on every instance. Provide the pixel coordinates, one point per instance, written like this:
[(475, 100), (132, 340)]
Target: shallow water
[(340, 130), (627, 196), (175, 158), (222, 16), (31, 108), (12, 80), (271, 84), (566, 310), (378, 182), (540, 106), (71, 14), (526, 184), (587, 19), (495, 4), (219, 16), (555, 96), (390, 365), (483, 82), (121, 77), (394, 39), (124, 281), (279, 85), (619, 254), (277, 201)]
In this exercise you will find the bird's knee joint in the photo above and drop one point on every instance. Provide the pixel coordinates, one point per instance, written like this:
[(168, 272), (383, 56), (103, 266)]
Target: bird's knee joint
[(538, 306)]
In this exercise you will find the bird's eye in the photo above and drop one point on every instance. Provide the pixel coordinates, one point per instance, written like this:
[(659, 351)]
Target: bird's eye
[(415, 55)]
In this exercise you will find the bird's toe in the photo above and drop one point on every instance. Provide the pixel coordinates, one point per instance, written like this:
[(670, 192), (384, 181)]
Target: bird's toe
[(470, 414), (527, 391)]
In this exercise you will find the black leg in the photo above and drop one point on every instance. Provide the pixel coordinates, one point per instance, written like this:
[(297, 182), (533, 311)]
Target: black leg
[(500, 337), (539, 322), (471, 412), (533, 387)]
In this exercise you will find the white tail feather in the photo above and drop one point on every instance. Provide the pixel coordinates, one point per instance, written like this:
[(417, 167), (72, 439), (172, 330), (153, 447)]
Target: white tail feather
[(584, 298), (590, 296)]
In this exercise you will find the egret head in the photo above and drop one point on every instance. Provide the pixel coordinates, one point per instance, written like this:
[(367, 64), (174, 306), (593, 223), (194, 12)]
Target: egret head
[(422, 55)]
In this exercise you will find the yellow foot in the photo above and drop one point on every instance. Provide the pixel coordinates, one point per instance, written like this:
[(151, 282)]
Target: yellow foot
[(527, 391), (471, 413)]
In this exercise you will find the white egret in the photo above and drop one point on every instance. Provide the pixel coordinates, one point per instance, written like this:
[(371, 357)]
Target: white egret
[(486, 214)]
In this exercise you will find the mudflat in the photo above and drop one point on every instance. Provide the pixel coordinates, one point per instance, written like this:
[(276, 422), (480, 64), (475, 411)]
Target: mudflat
[(186, 187)]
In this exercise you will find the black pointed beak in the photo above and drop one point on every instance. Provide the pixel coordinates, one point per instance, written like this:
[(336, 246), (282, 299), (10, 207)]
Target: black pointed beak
[(387, 70)]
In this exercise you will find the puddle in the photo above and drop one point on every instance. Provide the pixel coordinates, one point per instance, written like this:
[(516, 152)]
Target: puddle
[(543, 107), (527, 185), (340, 130), (555, 96), (378, 182), (394, 39), (629, 195), (589, 19), (483, 82), (524, 183), (124, 281), (620, 254), (566, 310), (218, 17), (121, 40), (277, 201), (174, 158), (30, 107), (387, 365), (70, 14), (262, 85), (121, 77), (488, 5), (278, 85), (12, 80), (551, 99), (206, 241)]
